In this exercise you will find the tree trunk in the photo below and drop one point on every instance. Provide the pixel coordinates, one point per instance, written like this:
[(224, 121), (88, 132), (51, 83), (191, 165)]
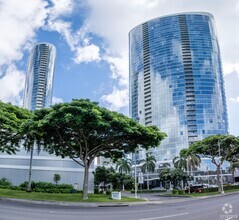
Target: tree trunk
[(85, 183), (147, 175), (147, 180), (218, 179), (29, 185)]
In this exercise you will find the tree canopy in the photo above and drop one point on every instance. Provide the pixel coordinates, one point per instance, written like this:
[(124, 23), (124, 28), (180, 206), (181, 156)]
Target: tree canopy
[(11, 119), (84, 130), (218, 148), (209, 147)]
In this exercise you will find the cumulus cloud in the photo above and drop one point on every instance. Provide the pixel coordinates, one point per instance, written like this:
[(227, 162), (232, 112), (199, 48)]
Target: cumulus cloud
[(229, 68), (18, 22), (117, 99), (56, 100), (235, 100), (61, 7), (87, 54), (11, 84)]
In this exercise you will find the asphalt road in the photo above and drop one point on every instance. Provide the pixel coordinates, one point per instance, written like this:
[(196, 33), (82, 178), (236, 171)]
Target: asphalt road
[(194, 209)]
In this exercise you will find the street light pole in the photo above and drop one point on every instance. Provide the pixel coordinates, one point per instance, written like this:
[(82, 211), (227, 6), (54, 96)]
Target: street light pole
[(135, 176), (219, 153)]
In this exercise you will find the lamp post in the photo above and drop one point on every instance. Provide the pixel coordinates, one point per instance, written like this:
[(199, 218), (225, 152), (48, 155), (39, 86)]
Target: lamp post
[(135, 175), (208, 181), (219, 154), (188, 174)]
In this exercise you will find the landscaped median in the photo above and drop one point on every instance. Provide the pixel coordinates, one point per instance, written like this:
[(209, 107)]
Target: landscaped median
[(74, 197), (205, 192)]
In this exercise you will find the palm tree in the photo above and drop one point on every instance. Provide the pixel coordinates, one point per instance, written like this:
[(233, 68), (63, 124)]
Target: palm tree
[(166, 176), (193, 161), (180, 162), (123, 165), (187, 162), (148, 166)]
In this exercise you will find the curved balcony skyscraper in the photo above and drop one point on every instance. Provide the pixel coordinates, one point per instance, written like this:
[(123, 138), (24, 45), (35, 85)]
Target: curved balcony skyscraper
[(39, 77), (176, 80)]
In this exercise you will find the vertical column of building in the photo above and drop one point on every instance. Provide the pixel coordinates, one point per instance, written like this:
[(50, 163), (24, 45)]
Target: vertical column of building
[(147, 77), (189, 80), (134, 97)]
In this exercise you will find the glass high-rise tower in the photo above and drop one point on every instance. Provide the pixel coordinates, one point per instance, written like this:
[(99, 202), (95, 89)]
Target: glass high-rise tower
[(39, 77), (176, 80)]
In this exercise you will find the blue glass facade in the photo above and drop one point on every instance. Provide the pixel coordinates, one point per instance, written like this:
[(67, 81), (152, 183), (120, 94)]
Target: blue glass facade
[(39, 77), (176, 80)]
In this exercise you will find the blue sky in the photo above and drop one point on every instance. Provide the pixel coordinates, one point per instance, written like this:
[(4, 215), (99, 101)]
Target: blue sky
[(91, 37)]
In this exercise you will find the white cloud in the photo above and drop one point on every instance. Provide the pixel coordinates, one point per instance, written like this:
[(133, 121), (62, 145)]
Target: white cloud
[(235, 100), (79, 43), (117, 99), (87, 54), (230, 67), (61, 7), (56, 100), (64, 28), (18, 22), (119, 69), (11, 84)]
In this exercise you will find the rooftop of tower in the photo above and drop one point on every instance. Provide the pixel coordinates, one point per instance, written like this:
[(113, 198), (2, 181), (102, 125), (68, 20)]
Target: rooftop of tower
[(176, 14)]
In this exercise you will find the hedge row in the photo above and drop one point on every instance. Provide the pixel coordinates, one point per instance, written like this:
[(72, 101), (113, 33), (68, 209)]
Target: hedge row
[(44, 187), (225, 187), (150, 191)]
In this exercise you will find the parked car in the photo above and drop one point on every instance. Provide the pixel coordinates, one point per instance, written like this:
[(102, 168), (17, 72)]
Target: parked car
[(196, 188)]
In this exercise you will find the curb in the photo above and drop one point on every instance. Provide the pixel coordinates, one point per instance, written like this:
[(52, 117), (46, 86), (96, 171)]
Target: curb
[(79, 204)]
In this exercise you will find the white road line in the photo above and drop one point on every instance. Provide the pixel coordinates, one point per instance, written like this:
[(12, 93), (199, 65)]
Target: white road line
[(166, 216)]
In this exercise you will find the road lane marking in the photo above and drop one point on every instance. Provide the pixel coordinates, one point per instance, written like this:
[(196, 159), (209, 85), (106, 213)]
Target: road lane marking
[(166, 216)]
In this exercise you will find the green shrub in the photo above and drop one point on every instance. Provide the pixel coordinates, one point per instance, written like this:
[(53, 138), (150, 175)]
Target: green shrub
[(228, 187), (15, 188), (150, 191), (46, 187), (207, 190), (4, 183), (174, 191), (108, 192), (181, 192), (24, 185), (96, 191)]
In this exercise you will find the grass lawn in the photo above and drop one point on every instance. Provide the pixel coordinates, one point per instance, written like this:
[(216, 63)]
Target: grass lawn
[(6, 193)]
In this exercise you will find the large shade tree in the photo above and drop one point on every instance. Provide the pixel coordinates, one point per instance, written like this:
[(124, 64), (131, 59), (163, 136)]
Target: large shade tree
[(11, 120), (82, 130), (218, 148)]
